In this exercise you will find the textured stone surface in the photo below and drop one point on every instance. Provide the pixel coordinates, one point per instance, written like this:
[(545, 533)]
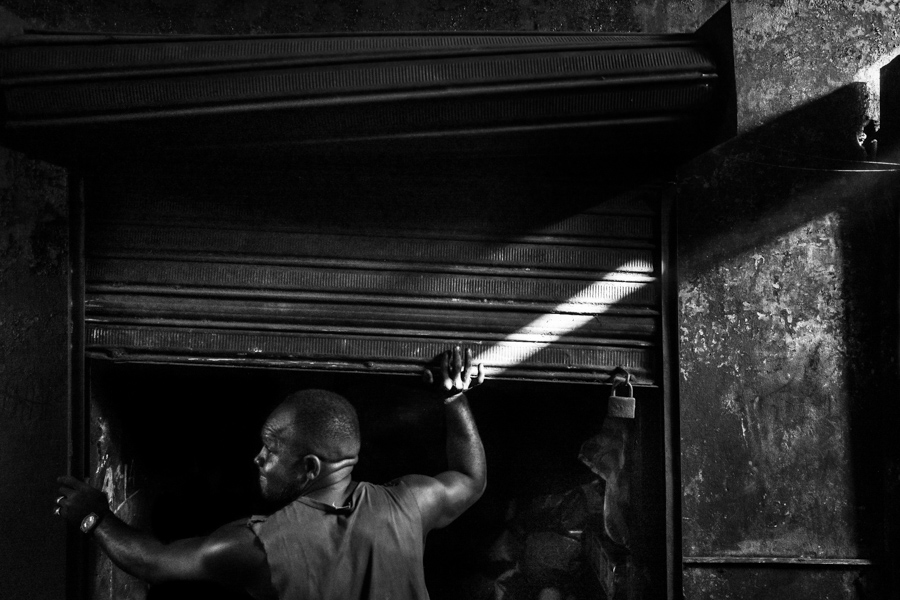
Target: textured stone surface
[(790, 52), (781, 372)]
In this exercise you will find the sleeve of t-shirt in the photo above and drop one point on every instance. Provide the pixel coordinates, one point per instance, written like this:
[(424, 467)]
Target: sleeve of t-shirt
[(405, 499)]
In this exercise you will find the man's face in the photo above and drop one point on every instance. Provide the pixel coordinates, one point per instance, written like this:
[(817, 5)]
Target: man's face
[(281, 474)]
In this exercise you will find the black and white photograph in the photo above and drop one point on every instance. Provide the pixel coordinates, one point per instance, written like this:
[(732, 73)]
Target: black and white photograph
[(449, 299)]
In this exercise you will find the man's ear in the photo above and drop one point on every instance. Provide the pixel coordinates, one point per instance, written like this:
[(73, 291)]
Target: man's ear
[(312, 464)]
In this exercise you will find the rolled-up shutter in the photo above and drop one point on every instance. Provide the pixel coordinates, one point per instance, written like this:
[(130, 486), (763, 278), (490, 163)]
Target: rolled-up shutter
[(377, 269), (312, 200)]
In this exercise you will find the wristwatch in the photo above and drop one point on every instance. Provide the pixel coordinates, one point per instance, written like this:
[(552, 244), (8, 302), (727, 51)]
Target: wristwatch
[(90, 522)]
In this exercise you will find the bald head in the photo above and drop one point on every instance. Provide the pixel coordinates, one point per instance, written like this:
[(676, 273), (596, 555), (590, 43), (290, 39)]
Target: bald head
[(321, 423)]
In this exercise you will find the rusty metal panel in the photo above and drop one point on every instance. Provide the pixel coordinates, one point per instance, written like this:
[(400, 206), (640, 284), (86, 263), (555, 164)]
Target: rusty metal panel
[(360, 273)]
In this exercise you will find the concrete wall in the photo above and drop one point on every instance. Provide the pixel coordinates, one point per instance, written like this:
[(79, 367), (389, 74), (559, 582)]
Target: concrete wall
[(787, 275)]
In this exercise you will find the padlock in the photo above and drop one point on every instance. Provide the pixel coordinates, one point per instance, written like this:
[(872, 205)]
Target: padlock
[(621, 406)]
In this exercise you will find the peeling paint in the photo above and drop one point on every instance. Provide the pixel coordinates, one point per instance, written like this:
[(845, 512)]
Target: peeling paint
[(764, 346)]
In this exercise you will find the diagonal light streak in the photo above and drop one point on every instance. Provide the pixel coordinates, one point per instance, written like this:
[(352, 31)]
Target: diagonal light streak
[(566, 318)]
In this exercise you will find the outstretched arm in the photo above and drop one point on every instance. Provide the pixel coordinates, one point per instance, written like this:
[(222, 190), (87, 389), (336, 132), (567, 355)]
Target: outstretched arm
[(231, 555), (443, 498)]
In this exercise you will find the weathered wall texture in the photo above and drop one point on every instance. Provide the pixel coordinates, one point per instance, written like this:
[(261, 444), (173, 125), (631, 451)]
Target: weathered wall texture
[(790, 52), (787, 264), (769, 349), (33, 374), (787, 303)]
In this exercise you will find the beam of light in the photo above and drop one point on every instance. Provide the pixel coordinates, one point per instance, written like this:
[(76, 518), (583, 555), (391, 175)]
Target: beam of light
[(566, 318)]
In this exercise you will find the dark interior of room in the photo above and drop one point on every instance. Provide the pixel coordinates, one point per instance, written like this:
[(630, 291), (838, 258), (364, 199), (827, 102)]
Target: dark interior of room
[(188, 435)]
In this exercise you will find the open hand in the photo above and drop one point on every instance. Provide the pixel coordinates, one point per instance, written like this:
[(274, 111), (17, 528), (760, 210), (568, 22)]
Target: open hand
[(452, 373)]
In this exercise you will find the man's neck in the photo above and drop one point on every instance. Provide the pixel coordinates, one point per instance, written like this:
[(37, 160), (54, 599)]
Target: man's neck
[(335, 489)]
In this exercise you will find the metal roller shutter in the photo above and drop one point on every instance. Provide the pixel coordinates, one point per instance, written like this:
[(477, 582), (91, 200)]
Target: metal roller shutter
[(378, 268)]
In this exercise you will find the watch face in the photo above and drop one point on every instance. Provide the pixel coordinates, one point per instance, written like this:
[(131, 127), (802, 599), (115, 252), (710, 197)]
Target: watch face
[(88, 522)]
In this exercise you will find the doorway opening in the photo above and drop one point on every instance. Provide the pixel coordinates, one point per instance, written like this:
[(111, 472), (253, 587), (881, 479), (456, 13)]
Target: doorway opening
[(174, 447)]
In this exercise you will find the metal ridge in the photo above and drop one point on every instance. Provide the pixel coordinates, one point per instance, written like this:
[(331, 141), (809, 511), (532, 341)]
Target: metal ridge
[(320, 347), (121, 92), (778, 561)]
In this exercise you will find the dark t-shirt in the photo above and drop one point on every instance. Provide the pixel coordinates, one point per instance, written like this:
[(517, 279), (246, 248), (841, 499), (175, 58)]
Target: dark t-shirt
[(370, 549)]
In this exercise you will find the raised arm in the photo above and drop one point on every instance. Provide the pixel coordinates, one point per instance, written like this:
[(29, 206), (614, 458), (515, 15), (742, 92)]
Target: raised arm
[(444, 497), (231, 555)]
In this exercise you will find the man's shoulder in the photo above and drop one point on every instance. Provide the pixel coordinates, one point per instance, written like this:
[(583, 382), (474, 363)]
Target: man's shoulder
[(410, 481), (233, 554), (407, 485), (409, 490), (236, 536), (396, 491), (416, 484)]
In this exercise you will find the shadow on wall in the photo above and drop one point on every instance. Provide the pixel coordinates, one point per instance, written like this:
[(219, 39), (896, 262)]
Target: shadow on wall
[(769, 181), (788, 324)]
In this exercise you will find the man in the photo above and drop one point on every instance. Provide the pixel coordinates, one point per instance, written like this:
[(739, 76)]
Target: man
[(332, 537)]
